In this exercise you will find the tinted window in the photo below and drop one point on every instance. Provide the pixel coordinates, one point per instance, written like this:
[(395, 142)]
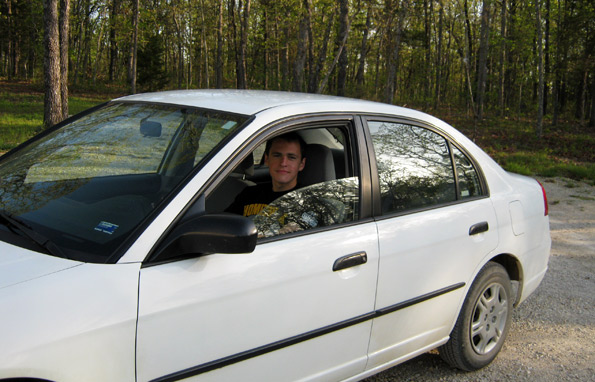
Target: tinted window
[(414, 166), (469, 185)]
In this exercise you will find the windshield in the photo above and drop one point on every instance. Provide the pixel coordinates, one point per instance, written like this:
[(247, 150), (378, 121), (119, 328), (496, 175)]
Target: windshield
[(89, 184)]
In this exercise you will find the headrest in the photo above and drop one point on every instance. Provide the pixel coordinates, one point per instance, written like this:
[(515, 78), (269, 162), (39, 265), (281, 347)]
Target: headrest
[(320, 166), (246, 167)]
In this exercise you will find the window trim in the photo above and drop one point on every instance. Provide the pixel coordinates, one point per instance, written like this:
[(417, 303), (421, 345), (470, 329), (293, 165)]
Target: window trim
[(450, 141)]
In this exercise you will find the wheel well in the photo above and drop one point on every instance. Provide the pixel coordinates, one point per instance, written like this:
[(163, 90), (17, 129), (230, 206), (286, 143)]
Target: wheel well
[(515, 272)]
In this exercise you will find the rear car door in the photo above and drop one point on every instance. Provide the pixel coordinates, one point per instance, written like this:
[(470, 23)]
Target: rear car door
[(435, 225), (295, 308)]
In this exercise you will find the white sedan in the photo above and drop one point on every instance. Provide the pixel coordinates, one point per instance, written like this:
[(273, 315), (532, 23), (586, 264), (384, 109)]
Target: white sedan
[(119, 262)]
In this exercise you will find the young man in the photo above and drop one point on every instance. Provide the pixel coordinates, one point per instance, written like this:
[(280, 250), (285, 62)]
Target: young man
[(284, 155)]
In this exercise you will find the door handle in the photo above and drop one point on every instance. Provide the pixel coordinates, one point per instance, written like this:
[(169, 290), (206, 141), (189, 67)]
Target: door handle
[(350, 261), (478, 228)]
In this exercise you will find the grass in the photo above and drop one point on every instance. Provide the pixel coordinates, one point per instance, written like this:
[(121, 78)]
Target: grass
[(21, 111), (566, 150)]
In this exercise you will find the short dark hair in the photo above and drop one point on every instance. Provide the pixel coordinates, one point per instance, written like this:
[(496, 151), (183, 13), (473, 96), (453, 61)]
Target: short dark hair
[(288, 137)]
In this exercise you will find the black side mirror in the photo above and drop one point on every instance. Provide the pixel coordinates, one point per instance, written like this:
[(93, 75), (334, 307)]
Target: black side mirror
[(150, 129), (213, 233)]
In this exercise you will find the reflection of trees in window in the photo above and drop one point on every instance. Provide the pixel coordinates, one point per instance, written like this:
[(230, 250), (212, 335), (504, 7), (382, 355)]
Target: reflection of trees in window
[(320, 205), (216, 128), (414, 166), (20, 197), (469, 184), (103, 165), (103, 143)]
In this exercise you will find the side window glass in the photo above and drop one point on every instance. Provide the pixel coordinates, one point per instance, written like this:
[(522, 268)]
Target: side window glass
[(468, 178), (414, 167), (259, 155), (326, 190), (319, 205), (214, 131)]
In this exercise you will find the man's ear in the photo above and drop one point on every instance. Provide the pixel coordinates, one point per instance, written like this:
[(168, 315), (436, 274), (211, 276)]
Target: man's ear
[(302, 165), (266, 159)]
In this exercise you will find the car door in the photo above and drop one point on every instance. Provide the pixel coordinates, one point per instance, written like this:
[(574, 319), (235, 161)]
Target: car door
[(294, 309), (435, 225)]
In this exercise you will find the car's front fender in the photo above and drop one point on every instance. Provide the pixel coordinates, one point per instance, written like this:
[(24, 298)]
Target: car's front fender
[(77, 324)]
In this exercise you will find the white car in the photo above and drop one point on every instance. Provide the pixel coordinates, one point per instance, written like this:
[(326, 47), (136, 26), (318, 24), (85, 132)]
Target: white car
[(118, 261)]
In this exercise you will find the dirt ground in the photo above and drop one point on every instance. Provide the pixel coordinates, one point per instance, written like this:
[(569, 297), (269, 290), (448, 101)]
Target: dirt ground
[(552, 337)]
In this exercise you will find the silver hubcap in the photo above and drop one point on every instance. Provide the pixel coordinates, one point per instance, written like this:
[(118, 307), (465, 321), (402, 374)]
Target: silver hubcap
[(489, 318)]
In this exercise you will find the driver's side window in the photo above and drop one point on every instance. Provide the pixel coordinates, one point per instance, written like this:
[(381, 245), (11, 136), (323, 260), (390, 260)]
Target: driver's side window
[(322, 204), (316, 167)]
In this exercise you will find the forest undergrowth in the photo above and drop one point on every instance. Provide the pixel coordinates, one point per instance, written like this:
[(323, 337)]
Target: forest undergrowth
[(567, 149)]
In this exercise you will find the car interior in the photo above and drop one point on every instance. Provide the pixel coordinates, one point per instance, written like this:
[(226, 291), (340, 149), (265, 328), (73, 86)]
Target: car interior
[(327, 160), (328, 184)]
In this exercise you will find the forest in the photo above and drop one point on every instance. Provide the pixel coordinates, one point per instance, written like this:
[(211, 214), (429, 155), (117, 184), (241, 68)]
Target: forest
[(506, 58)]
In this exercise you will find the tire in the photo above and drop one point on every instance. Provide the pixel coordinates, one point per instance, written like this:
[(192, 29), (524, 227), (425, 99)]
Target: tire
[(483, 322)]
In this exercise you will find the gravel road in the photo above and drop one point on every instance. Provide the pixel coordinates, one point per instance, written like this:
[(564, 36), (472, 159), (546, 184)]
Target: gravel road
[(552, 337)]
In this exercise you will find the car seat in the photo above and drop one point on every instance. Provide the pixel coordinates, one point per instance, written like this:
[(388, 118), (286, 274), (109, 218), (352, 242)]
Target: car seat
[(320, 166)]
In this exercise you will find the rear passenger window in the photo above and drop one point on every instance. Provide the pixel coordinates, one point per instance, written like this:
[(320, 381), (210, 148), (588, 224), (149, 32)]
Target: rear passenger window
[(469, 184), (414, 167)]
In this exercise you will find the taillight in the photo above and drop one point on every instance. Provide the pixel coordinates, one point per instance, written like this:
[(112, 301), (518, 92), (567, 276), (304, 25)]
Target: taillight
[(545, 206)]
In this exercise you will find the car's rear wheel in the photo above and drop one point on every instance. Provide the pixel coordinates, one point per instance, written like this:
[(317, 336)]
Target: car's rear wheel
[(483, 323)]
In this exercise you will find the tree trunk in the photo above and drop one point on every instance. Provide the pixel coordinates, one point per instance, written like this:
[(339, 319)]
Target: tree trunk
[(439, 59), (64, 34), (79, 10), (390, 86), (265, 56), (483, 57), (100, 48), (113, 62), (510, 77), (592, 119), (134, 47), (179, 38), (244, 11), (581, 102), (10, 65), (546, 56), (315, 72), (284, 53), (233, 29), (361, 69), (333, 64), (300, 57), (468, 35), (52, 100), (428, 9), (540, 65), (557, 79), (467, 70), (503, 55), (342, 39), (204, 44), (219, 62)]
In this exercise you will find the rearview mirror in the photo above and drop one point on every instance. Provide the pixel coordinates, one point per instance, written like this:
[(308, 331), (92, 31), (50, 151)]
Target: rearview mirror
[(213, 233)]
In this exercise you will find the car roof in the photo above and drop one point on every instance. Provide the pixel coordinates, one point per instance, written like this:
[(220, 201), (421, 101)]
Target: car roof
[(252, 102)]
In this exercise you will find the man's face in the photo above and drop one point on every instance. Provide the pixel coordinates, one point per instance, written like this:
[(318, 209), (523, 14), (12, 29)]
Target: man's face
[(285, 162)]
